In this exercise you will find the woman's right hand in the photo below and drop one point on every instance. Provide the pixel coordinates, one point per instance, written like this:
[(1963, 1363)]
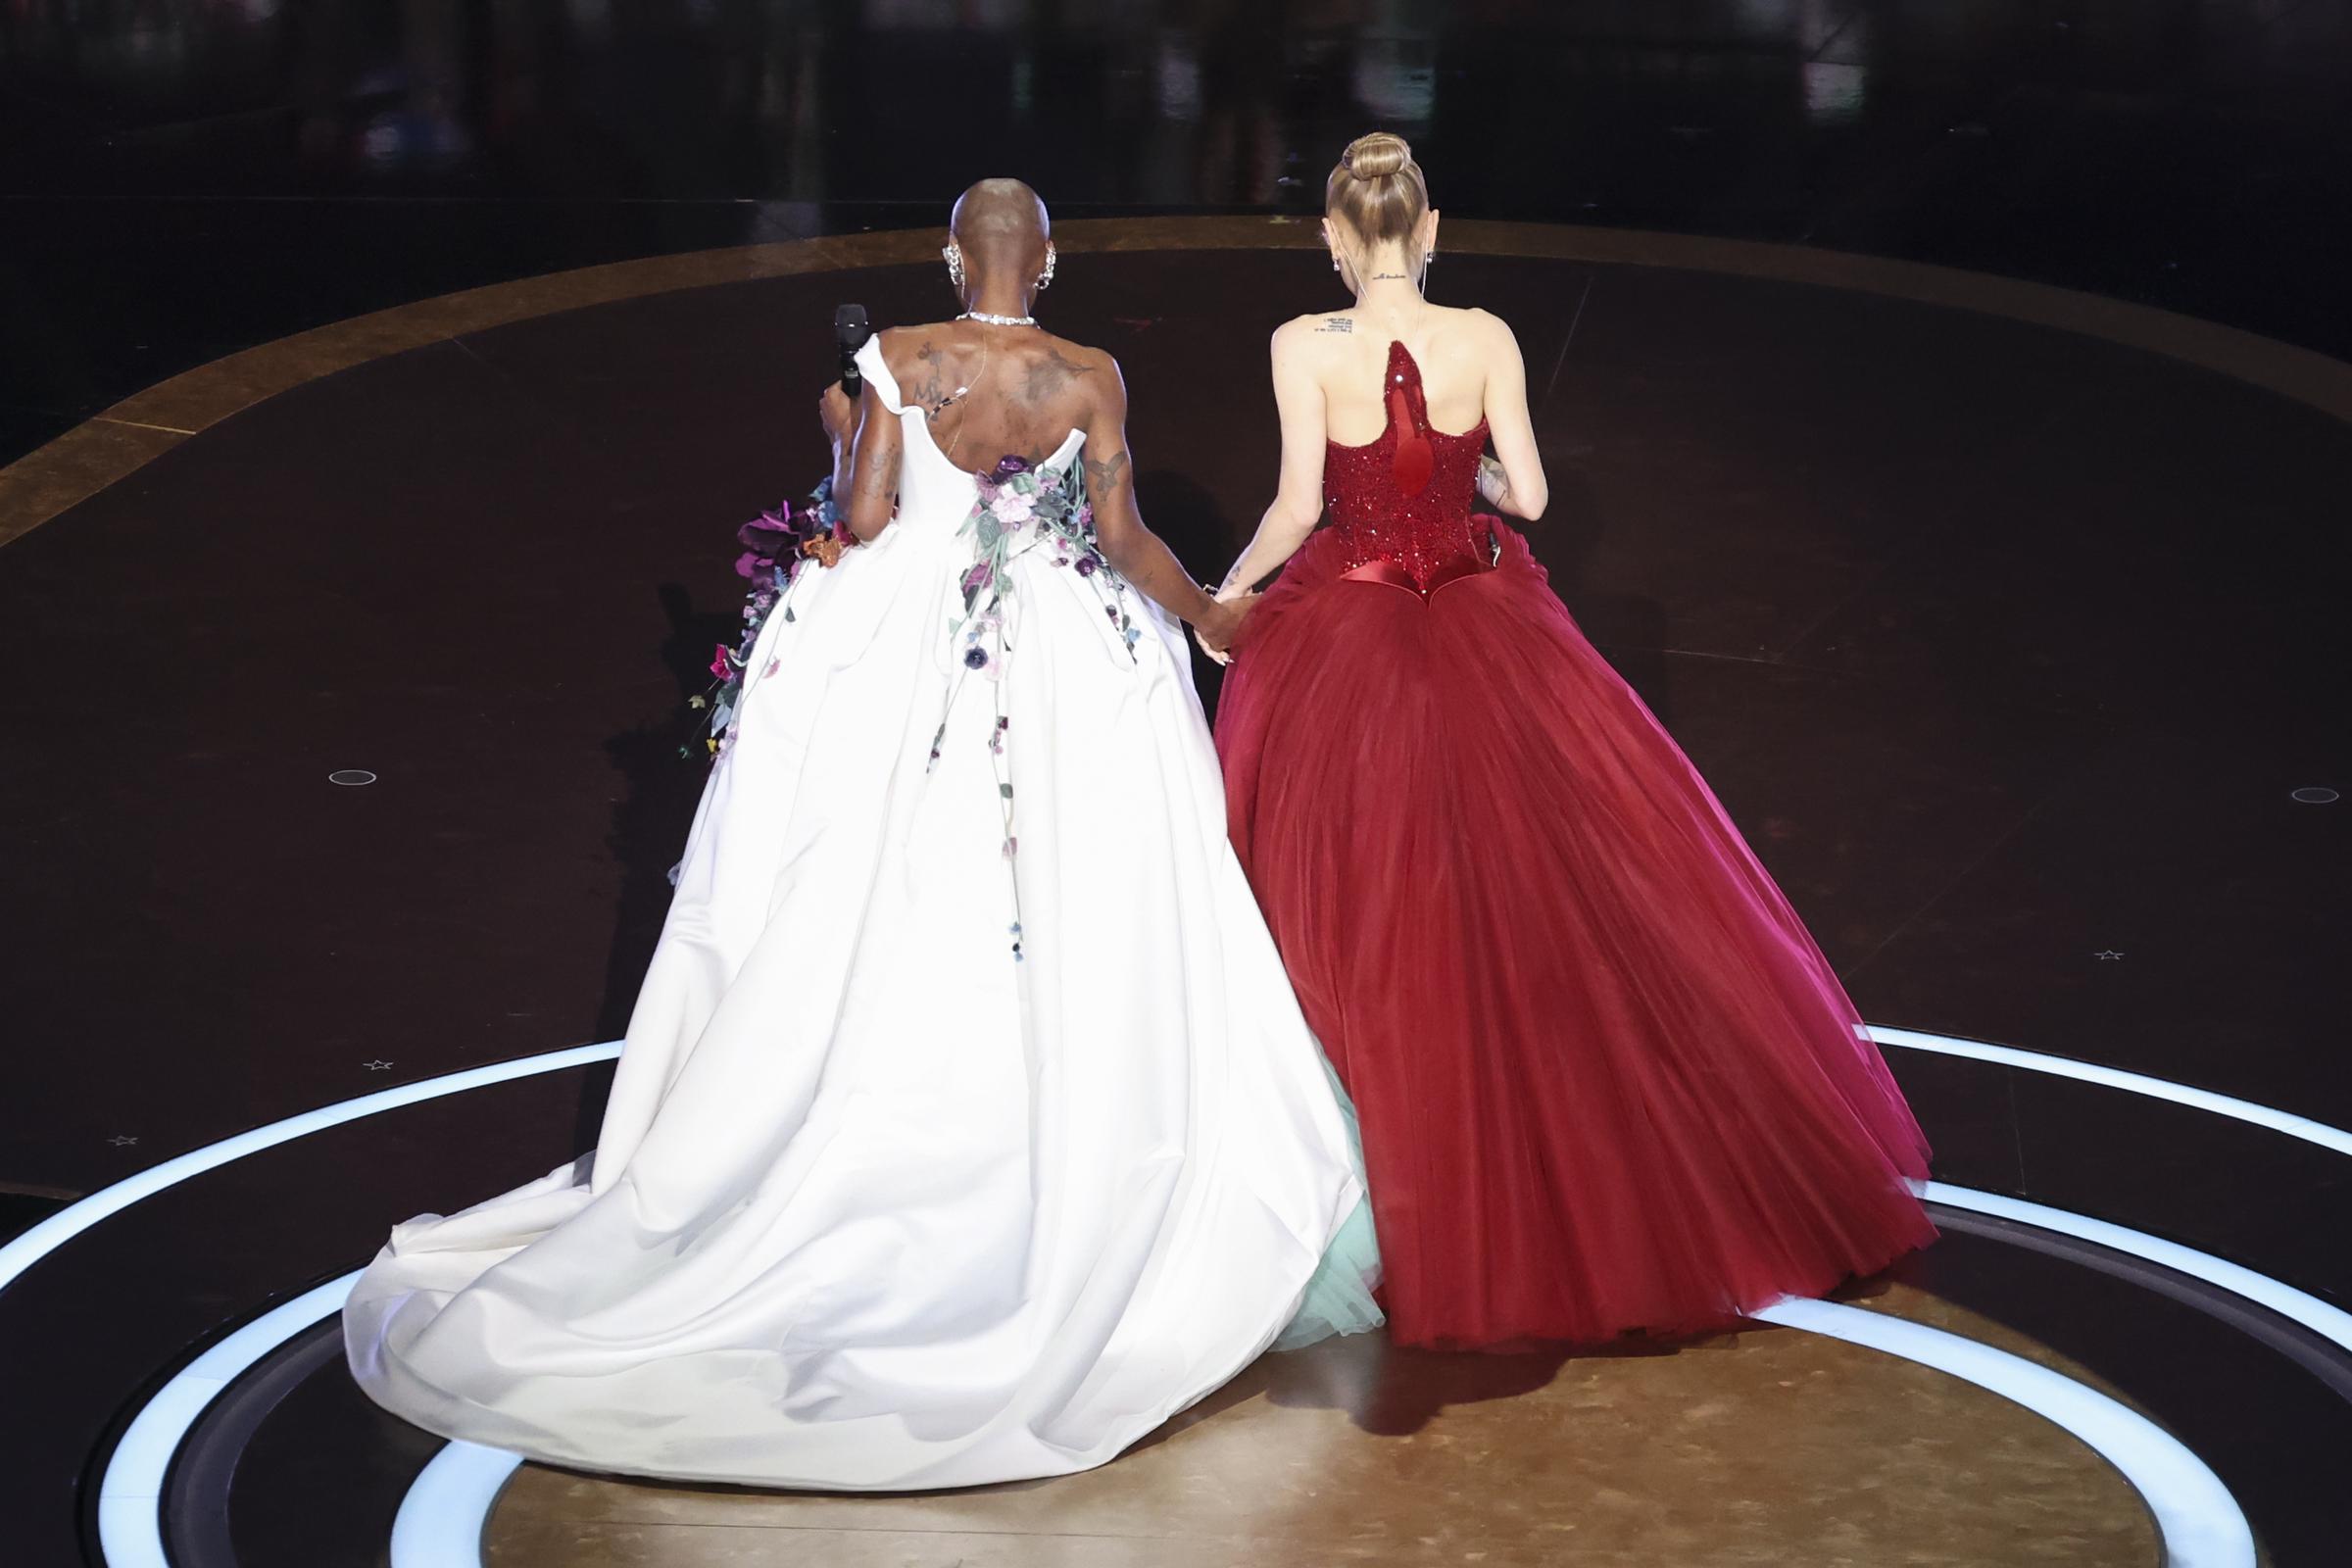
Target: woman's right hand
[(1217, 628)]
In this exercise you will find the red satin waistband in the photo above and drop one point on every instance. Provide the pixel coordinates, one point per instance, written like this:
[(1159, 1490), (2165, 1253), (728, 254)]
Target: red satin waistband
[(1380, 570)]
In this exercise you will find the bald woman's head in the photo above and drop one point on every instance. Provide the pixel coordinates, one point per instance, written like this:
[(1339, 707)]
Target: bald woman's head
[(1000, 223)]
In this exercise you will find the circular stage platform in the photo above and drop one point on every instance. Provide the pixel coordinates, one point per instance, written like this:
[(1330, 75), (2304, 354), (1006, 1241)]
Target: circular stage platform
[(348, 681)]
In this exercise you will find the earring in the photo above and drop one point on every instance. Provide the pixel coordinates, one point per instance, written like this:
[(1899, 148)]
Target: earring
[(1335, 262), (1427, 259), (952, 254), (1045, 280)]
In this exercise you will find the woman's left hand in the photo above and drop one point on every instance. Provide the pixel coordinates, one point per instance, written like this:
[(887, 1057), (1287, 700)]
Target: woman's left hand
[(1231, 593)]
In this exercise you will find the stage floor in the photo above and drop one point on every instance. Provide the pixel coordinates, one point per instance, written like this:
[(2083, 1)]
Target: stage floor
[(1997, 615)]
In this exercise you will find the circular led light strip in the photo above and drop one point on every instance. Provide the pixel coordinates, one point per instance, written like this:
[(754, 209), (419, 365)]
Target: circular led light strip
[(2090, 1072), (445, 1508)]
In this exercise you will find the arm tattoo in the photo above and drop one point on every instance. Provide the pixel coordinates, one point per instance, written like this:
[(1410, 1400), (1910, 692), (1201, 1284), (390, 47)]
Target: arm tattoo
[(1108, 474), (1494, 480), (1048, 375), (1337, 324)]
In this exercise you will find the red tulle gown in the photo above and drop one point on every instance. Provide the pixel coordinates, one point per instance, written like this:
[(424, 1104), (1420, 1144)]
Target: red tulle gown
[(1607, 1082)]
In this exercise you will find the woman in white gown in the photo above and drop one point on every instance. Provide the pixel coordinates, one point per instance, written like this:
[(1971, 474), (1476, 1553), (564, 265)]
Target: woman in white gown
[(966, 1127)]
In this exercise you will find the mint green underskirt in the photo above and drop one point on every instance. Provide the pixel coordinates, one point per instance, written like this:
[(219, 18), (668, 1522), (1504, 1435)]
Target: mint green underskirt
[(1339, 1295)]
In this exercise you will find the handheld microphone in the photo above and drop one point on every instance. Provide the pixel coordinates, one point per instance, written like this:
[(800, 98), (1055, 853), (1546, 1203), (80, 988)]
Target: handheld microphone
[(850, 333)]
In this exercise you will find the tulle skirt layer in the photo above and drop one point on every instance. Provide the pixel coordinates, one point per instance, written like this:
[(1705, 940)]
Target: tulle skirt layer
[(1607, 1082)]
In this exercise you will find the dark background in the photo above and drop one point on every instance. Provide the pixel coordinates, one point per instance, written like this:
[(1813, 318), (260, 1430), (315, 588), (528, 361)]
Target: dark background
[(179, 179), (2007, 646)]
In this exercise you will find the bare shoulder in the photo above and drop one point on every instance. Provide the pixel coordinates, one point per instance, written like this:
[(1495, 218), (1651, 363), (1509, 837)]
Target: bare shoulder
[(903, 347), (1488, 327), (1057, 373), (1083, 358), (1310, 331), (904, 340)]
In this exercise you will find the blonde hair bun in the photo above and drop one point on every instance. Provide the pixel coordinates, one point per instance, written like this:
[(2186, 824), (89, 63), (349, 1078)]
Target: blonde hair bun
[(1376, 188), (1377, 156)]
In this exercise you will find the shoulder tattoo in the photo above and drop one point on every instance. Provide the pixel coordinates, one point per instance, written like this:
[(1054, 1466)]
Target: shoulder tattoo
[(1048, 375)]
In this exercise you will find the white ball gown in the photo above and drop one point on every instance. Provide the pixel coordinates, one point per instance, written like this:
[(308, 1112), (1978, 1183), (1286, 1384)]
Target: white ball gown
[(879, 1202)]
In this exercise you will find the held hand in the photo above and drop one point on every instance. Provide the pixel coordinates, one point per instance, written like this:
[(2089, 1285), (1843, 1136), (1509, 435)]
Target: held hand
[(1217, 629), (838, 414), (1231, 593)]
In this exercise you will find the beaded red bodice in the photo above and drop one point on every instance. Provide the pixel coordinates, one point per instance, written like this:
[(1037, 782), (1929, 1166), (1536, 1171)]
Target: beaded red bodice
[(1406, 496)]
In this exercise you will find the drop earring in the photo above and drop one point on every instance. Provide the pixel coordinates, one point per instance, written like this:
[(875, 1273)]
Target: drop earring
[(952, 254), (1045, 280)]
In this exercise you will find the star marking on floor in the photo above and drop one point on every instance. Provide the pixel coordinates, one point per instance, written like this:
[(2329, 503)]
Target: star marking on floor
[(2107, 957), (376, 1066), (121, 1140)]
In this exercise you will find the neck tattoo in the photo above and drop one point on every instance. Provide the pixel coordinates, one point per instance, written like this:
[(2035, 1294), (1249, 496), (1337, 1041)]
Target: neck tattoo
[(1383, 277)]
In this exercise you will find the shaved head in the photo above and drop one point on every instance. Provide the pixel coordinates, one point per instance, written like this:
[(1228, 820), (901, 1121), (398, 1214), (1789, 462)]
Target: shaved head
[(1001, 223)]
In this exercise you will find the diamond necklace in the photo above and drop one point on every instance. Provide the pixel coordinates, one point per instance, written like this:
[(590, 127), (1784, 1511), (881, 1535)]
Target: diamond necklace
[(988, 318)]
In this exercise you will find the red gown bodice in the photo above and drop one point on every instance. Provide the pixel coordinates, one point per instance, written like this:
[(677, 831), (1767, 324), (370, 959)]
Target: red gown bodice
[(1405, 498)]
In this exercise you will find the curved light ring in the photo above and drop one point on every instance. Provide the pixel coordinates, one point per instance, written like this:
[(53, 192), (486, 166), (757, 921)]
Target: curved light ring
[(131, 1492), (69, 1222), (2090, 1072), (2200, 1522), (2328, 1322), (29, 1248), (447, 1508)]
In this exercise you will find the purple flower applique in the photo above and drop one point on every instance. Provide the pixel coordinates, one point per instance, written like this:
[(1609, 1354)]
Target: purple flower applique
[(767, 539)]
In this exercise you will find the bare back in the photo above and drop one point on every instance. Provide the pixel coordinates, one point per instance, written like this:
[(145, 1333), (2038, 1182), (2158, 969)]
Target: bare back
[(1022, 391), (1330, 372), (1348, 353)]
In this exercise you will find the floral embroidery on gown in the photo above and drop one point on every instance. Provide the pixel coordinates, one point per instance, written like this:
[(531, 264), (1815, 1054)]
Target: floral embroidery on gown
[(966, 1127)]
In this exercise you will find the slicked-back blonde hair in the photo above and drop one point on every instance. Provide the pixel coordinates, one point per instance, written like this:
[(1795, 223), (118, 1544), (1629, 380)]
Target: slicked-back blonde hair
[(1377, 189)]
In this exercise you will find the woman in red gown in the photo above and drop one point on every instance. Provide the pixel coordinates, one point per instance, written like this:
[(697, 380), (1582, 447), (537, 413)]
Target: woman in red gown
[(1607, 1082)]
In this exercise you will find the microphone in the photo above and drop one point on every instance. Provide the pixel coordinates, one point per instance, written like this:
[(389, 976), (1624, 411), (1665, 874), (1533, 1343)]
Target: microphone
[(850, 333)]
